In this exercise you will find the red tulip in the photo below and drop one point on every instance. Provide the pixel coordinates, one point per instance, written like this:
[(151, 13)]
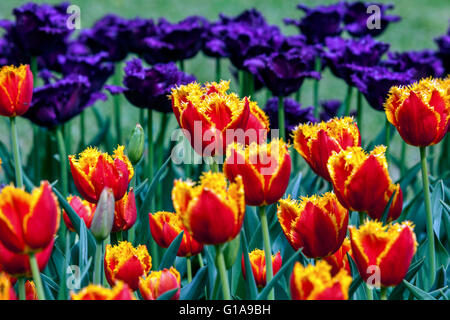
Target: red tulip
[(339, 259), (159, 282), (125, 213), (16, 90), (120, 291), (84, 209), (258, 264)]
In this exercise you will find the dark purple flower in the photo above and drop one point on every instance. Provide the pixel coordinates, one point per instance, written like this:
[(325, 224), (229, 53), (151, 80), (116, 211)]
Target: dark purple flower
[(344, 55), (375, 82), (109, 34), (294, 114), (282, 73), (424, 63), (149, 87), (356, 18), (174, 41), (319, 22), (38, 29), (59, 101), (94, 67), (140, 29), (443, 53), (329, 109)]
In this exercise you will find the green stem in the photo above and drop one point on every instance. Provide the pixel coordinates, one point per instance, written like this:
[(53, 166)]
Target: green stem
[(359, 110), (281, 118), (267, 248), (21, 285), (298, 95), (241, 75), (98, 263), (383, 293), (403, 159), (16, 151), (214, 166), (200, 260), (189, 269), (250, 84), (430, 231), (181, 65), (318, 65), (160, 145), (369, 292), (116, 100), (218, 70), (82, 129), (387, 138), (36, 277), (150, 159), (220, 264), (348, 98), (62, 159)]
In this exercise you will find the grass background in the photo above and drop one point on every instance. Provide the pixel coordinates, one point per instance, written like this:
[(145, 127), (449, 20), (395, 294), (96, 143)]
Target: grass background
[(421, 22)]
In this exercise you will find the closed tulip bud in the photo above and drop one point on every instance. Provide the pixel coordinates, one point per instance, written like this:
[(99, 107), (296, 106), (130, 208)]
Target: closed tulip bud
[(92, 171), (211, 211), (126, 263), (135, 148), (362, 183), (318, 224), (16, 90), (159, 282), (84, 209), (28, 222), (103, 219), (317, 142), (6, 288), (388, 248), (258, 263), (120, 291), (317, 283), (125, 213), (166, 226), (18, 264), (264, 168), (339, 259), (30, 291), (420, 111)]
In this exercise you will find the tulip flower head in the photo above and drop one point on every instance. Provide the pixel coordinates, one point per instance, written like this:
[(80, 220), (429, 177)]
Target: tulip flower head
[(258, 264), (125, 213), (166, 226), (159, 282), (318, 224), (339, 259), (92, 171), (103, 219), (28, 221), (120, 291), (264, 169), (317, 283), (388, 248), (135, 148), (421, 111), (6, 288), (16, 90), (30, 290), (126, 263), (212, 211), (362, 183), (84, 209), (316, 142)]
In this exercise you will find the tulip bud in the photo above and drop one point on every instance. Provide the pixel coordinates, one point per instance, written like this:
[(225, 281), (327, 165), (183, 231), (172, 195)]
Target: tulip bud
[(103, 219), (135, 148)]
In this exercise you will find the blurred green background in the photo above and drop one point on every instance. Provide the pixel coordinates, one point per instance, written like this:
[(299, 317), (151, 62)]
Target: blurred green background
[(421, 22)]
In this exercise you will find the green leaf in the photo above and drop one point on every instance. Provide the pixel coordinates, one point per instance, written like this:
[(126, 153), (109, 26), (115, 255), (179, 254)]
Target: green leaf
[(212, 272), (249, 278), (294, 187), (409, 176), (436, 207), (140, 187), (194, 290), (168, 294), (285, 268), (417, 292), (356, 278), (387, 208), (171, 253), (230, 252)]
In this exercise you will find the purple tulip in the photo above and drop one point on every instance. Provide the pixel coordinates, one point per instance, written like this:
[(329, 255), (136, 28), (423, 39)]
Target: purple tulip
[(443, 53), (330, 109), (424, 63), (357, 20), (61, 99), (149, 87)]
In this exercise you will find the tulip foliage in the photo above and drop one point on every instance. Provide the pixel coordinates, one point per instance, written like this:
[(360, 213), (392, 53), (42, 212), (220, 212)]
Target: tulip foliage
[(251, 202)]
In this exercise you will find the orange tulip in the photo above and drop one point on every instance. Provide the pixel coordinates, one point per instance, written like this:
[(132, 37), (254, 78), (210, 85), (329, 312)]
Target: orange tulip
[(166, 226), (264, 168), (125, 212), (317, 142), (159, 282), (421, 111), (389, 248), (120, 291), (258, 264), (339, 259), (16, 90), (317, 283), (316, 224), (93, 171), (211, 211), (28, 222), (84, 209), (362, 183), (126, 263), (208, 113), (6, 288)]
